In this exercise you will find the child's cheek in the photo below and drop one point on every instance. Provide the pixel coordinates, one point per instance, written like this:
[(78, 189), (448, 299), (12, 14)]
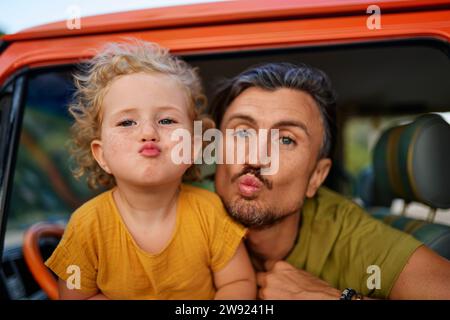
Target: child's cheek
[(171, 139), (119, 142)]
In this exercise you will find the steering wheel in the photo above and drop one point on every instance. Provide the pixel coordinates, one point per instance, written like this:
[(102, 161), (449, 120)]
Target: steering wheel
[(33, 256)]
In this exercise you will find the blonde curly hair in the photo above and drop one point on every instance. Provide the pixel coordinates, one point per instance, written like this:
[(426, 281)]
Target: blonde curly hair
[(97, 74)]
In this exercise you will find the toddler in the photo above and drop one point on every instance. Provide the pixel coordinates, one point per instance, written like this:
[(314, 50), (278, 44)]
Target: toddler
[(149, 236)]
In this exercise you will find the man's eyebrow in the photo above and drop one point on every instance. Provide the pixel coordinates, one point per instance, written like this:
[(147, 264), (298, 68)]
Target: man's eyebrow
[(292, 123), (282, 123), (241, 116)]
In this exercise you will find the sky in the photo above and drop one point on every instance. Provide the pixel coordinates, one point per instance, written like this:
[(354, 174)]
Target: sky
[(16, 15)]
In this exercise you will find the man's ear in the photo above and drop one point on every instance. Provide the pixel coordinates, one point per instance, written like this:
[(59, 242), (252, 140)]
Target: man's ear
[(97, 152), (319, 175)]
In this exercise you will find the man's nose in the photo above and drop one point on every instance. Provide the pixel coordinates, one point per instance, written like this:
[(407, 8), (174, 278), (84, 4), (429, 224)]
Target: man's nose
[(149, 132), (258, 161), (258, 150)]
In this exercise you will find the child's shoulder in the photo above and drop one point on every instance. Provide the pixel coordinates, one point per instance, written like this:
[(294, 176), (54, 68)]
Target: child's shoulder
[(92, 209), (202, 196)]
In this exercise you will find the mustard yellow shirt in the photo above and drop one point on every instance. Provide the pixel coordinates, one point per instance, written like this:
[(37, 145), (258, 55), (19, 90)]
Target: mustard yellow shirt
[(98, 242)]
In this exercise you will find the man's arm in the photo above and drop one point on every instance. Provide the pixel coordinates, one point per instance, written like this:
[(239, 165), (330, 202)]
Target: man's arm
[(237, 279), (426, 275)]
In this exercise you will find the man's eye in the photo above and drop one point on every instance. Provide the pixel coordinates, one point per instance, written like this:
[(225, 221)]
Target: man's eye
[(126, 123), (166, 121), (286, 140), (242, 133)]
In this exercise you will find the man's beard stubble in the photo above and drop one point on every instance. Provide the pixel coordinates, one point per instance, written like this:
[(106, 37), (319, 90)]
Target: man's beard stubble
[(251, 214)]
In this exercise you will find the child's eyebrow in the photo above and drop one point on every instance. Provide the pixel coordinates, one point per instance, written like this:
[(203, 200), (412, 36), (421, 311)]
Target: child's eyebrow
[(131, 110), (135, 110), (168, 108)]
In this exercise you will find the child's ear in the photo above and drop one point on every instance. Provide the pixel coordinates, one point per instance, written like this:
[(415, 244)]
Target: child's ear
[(97, 152)]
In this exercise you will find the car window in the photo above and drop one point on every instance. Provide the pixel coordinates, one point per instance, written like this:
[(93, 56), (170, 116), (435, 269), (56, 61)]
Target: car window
[(43, 186), (361, 133), (368, 94)]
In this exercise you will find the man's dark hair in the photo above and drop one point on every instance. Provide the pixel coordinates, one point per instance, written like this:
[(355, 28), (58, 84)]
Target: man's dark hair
[(273, 76)]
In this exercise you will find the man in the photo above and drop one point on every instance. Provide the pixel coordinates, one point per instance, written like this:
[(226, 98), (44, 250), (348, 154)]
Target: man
[(306, 241)]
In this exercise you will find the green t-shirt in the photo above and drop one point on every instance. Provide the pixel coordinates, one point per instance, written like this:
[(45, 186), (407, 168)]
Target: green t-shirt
[(338, 241)]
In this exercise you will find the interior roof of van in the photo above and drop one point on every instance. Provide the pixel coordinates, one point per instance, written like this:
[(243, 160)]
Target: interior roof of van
[(391, 77)]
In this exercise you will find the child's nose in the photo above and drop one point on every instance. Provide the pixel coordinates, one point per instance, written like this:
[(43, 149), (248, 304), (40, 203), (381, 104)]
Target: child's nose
[(149, 133)]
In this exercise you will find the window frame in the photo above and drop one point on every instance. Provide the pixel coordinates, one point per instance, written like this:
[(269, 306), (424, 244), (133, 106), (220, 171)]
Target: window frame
[(20, 78), (9, 143)]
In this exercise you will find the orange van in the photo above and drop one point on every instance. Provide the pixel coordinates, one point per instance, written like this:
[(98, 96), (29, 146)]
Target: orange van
[(388, 61)]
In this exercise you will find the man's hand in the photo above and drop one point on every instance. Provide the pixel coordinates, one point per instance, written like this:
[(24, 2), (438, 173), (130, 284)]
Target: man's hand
[(284, 281)]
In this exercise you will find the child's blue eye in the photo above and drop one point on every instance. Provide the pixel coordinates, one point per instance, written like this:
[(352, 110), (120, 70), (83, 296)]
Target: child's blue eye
[(126, 123), (166, 121), (286, 140)]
